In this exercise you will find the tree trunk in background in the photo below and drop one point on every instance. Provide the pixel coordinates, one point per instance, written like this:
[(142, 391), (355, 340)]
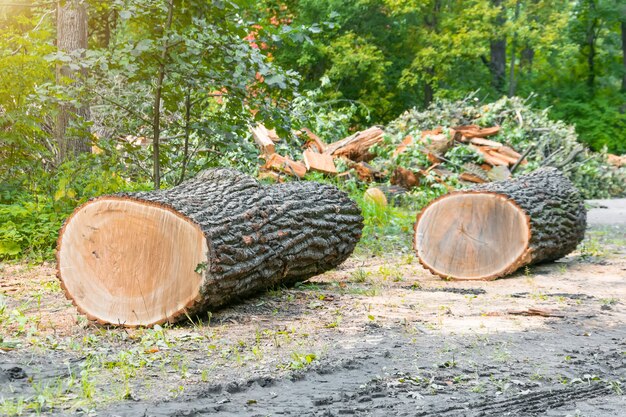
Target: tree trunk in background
[(429, 93), (624, 55), (591, 44), (513, 50), (156, 122), (71, 37), (497, 64), (526, 57)]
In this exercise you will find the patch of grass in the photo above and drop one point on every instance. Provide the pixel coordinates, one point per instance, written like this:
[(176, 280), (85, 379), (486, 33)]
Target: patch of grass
[(386, 229), (360, 275), (591, 248), (299, 360)]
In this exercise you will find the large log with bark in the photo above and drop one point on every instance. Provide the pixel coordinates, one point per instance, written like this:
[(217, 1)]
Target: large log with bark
[(491, 230), (149, 257)]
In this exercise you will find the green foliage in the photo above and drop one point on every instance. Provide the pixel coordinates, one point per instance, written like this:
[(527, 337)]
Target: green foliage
[(600, 121), (31, 213)]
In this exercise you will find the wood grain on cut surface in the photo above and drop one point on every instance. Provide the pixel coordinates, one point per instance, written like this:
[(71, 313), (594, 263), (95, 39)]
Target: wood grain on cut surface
[(131, 261), (491, 230), (468, 236)]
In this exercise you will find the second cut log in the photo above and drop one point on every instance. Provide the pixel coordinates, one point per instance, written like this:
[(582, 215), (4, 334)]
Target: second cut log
[(491, 230)]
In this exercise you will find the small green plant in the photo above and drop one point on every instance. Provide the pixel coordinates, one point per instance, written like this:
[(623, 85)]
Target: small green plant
[(301, 360)]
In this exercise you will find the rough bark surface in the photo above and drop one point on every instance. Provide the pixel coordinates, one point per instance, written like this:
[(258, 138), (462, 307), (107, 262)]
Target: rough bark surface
[(554, 209), (71, 37), (259, 236), (558, 218)]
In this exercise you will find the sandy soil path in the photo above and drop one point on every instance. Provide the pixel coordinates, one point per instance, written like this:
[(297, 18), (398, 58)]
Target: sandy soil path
[(379, 336)]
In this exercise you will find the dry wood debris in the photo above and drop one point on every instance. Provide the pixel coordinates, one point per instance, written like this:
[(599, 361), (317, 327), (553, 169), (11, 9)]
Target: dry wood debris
[(355, 151)]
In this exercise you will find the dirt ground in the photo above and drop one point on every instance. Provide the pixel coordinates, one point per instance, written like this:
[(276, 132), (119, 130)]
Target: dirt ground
[(379, 336)]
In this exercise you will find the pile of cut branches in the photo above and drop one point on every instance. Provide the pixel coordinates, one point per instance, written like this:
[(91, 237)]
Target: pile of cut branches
[(449, 145)]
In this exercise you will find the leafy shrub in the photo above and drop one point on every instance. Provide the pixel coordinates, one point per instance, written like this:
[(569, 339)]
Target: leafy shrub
[(32, 211)]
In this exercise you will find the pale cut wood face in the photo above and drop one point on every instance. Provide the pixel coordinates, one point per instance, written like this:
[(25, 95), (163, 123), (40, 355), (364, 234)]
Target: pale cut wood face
[(130, 262), (471, 235)]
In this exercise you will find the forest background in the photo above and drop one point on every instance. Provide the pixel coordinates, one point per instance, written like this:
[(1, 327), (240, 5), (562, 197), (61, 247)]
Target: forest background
[(104, 96)]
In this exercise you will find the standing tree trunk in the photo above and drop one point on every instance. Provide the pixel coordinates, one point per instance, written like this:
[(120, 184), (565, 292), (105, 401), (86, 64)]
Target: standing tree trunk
[(71, 37), (591, 38), (624, 55), (145, 258), (513, 52), (156, 120), (497, 64), (493, 229)]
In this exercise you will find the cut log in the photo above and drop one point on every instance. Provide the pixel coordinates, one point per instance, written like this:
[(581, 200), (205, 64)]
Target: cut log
[(150, 257), (280, 163), (356, 147), (263, 140), (493, 229), (319, 162)]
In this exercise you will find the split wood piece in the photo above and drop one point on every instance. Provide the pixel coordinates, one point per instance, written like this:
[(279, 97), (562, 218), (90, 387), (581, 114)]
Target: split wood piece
[(280, 163), (475, 131), (508, 151), (490, 157), (144, 258), (616, 160), (406, 142), (313, 141), (319, 162), (499, 173), (262, 138), (474, 173), (436, 141), (471, 177), (486, 142), (365, 171), (491, 230), (356, 147), (405, 178)]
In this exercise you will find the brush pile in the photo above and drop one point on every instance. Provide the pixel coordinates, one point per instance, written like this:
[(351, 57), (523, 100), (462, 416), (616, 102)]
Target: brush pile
[(448, 146)]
